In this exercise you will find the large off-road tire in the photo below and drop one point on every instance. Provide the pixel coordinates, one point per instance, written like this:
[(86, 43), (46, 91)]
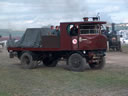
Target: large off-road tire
[(27, 61), (49, 63), (99, 65), (76, 62)]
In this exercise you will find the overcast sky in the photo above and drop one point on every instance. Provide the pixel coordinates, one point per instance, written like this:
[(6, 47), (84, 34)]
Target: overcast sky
[(20, 14)]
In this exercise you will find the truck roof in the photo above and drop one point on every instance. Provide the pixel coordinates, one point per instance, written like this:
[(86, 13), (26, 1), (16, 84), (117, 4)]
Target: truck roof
[(87, 22)]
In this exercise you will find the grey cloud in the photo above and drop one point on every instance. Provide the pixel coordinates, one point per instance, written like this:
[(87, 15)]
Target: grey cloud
[(50, 11), (36, 13)]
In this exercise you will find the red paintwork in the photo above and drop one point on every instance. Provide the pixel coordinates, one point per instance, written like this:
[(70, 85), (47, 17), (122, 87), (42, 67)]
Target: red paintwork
[(93, 42), (35, 49)]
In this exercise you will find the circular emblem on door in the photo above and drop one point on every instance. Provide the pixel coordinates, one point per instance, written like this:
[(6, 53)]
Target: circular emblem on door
[(74, 41)]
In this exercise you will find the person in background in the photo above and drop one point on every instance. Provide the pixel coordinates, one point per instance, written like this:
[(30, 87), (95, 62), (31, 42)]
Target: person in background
[(52, 29), (74, 31), (56, 32)]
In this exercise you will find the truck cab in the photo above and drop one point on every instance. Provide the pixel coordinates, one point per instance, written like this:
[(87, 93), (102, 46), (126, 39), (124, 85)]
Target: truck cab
[(87, 37)]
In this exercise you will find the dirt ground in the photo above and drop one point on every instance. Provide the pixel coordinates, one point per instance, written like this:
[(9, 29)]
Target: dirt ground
[(43, 81)]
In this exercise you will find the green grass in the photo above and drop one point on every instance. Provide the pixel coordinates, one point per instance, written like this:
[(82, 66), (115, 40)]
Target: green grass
[(3, 94), (56, 81)]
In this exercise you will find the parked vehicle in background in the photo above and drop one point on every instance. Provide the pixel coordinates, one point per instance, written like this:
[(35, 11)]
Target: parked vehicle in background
[(114, 42)]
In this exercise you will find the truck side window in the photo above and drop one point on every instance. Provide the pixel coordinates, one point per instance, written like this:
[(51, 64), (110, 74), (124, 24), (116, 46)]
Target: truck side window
[(72, 30), (89, 29)]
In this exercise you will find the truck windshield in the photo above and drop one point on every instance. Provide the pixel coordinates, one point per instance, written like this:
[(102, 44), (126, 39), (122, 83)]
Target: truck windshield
[(89, 29)]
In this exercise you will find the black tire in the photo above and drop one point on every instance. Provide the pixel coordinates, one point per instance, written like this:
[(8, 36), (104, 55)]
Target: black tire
[(27, 61), (76, 62), (99, 65), (49, 63)]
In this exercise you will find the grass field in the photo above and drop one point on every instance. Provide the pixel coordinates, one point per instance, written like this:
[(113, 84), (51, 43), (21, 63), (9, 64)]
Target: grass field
[(43, 81), (59, 82)]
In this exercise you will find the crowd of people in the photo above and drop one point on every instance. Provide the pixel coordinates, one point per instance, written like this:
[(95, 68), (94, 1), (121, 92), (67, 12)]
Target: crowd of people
[(55, 31)]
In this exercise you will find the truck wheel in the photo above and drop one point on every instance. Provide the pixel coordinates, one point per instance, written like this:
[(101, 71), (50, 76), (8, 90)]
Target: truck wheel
[(27, 61), (50, 63), (76, 62), (99, 65)]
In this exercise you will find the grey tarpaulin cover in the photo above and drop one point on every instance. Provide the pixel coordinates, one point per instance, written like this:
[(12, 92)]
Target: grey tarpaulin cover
[(31, 38)]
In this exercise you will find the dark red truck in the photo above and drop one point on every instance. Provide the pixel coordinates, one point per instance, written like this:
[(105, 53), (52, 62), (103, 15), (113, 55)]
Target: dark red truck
[(79, 46)]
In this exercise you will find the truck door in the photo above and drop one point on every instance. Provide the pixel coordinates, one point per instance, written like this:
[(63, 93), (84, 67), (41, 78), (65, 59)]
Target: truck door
[(73, 31)]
